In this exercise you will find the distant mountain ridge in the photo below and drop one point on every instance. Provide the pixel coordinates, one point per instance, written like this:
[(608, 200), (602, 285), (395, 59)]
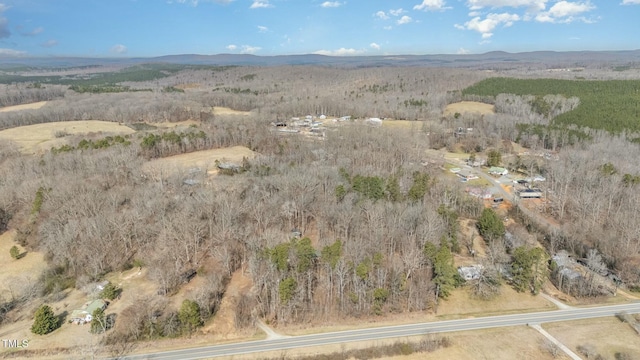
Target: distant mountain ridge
[(495, 58)]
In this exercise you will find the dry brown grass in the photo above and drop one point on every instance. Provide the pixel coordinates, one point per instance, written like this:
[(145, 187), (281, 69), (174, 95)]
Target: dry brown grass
[(494, 344), (188, 86), (607, 335), (40, 137), (227, 111), (469, 107), (32, 106), (204, 160), (223, 324), (402, 124), (16, 273), (167, 125), (461, 304)]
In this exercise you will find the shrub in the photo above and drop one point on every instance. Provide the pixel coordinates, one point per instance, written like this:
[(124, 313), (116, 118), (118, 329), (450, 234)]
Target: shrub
[(45, 321), (14, 252), (110, 292), (98, 324), (189, 315)]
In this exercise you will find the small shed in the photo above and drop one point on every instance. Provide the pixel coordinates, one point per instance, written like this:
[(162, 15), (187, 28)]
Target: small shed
[(466, 175), (496, 170)]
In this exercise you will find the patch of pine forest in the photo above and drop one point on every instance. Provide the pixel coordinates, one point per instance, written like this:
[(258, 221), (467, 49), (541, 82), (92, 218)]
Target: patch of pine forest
[(611, 105)]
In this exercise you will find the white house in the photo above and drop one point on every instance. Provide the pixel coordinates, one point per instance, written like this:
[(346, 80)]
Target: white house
[(85, 314)]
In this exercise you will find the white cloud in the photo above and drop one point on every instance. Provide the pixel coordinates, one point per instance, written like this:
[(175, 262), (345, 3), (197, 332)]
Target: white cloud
[(374, 46), (232, 47), (630, 2), (404, 20), (11, 53), (565, 8), (260, 4), (262, 29), (463, 51), (397, 12), (382, 15), (532, 5), (431, 5), (565, 11), (388, 27), (49, 43), (331, 4), (247, 49), (340, 52), (118, 49), (486, 26)]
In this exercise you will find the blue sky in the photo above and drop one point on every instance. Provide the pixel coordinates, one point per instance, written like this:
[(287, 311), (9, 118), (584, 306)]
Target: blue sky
[(144, 28)]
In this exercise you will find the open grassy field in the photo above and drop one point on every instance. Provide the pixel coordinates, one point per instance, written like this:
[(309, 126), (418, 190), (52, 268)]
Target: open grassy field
[(168, 125), (607, 336), (205, 160), (32, 106), (227, 111), (16, 274), (461, 304), (469, 107), (40, 137), (403, 124)]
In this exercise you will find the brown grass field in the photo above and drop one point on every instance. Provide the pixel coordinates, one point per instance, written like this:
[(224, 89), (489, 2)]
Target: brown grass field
[(469, 107), (41, 137), (402, 124), (167, 125), (17, 273), (227, 111), (32, 106), (607, 336), (204, 160)]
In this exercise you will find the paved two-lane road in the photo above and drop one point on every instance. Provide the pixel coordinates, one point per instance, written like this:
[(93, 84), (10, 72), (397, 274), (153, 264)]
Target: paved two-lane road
[(390, 332)]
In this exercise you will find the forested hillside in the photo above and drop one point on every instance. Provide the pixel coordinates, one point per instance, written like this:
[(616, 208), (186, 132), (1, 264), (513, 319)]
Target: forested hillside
[(359, 221), (612, 105)]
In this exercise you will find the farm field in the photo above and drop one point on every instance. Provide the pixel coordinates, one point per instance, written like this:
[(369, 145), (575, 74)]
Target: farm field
[(464, 107), (41, 137), (205, 160), (227, 111), (32, 106)]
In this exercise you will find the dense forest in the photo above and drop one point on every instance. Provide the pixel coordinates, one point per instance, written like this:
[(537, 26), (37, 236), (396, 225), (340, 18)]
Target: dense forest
[(612, 105), (361, 223)]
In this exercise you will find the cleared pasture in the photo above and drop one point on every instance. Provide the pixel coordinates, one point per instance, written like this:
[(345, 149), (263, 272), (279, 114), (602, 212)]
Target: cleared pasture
[(41, 137), (16, 274), (31, 106), (204, 160), (463, 107)]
